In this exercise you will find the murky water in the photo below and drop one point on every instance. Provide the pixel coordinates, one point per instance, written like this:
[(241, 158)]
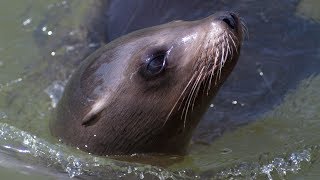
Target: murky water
[(263, 124)]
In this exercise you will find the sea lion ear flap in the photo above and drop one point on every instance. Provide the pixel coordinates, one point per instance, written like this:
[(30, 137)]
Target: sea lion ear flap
[(93, 115)]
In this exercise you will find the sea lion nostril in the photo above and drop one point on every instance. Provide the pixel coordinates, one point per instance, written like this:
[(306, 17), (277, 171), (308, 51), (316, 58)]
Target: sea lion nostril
[(230, 20)]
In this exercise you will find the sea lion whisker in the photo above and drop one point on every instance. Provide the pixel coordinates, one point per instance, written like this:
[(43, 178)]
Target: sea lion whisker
[(186, 96), (222, 60), (225, 57), (192, 96), (210, 79), (209, 61), (189, 96), (187, 102), (234, 43), (229, 48), (244, 28), (179, 98), (201, 76), (227, 45), (186, 105), (226, 53), (217, 60), (212, 70)]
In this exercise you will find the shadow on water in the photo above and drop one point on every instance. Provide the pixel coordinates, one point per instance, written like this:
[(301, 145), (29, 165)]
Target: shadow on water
[(260, 125)]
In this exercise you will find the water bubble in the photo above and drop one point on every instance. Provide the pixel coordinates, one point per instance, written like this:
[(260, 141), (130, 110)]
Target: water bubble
[(44, 29), (280, 166), (74, 167), (267, 169), (27, 21)]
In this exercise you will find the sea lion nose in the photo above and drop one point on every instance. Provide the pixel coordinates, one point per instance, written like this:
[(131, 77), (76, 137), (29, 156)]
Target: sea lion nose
[(230, 19)]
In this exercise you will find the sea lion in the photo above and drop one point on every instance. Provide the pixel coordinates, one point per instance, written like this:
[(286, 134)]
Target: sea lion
[(145, 92)]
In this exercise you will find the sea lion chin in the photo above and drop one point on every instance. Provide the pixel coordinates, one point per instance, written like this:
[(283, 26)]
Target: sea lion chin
[(145, 92)]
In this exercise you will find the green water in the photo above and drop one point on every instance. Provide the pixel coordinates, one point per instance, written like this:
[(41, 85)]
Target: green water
[(284, 143)]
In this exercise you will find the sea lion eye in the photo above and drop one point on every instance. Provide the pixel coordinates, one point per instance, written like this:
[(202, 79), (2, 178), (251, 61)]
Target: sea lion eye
[(154, 65), (157, 63)]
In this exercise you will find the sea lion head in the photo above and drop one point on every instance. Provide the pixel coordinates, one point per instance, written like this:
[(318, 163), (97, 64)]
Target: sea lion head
[(146, 92)]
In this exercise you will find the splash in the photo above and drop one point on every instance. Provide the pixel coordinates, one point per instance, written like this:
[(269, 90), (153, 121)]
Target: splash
[(76, 164), (277, 166), (55, 91)]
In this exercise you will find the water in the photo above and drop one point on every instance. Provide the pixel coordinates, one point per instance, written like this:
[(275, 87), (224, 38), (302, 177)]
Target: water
[(264, 123)]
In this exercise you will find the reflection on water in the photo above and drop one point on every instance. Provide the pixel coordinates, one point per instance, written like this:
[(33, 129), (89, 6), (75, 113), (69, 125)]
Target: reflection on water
[(263, 123)]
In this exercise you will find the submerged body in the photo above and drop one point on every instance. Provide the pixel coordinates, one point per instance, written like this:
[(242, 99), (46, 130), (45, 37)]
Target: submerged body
[(146, 92)]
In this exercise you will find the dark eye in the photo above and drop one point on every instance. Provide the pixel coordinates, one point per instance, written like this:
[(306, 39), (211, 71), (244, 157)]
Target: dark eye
[(155, 65)]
